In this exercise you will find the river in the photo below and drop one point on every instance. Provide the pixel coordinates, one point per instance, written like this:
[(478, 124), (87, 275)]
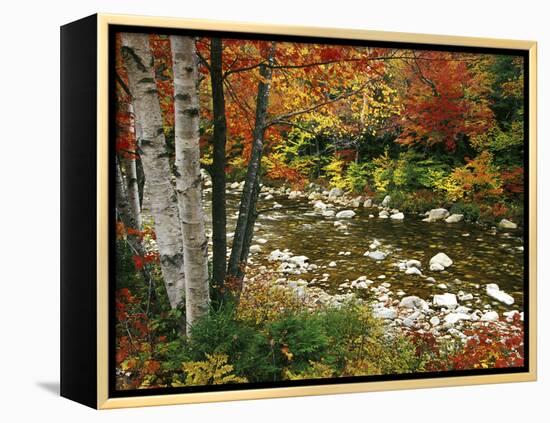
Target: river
[(481, 255)]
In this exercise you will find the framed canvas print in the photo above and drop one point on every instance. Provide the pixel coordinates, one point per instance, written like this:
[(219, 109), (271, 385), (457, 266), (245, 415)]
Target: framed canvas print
[(254, 211)]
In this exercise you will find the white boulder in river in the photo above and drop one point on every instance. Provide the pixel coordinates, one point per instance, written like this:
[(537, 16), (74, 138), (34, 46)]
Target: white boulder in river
[(506, 224), (397, 216), (386, 201), (255, 249), (490, 316), (494, 291), (455, 218), (445, 300), (385, 313), (319, 206), (436, 214), (413, 271), (439, 262), (345, 214), (414, 302), (376, 255)]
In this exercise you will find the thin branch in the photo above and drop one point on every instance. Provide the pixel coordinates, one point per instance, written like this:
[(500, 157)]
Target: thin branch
[(244, 107), (316, 106), (202, 60), (243, 69)]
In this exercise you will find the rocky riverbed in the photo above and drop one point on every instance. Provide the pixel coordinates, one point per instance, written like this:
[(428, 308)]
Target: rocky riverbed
[(429, 273)]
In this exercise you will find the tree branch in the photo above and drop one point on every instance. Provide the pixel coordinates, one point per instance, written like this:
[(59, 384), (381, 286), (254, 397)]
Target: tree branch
[(315, 106)]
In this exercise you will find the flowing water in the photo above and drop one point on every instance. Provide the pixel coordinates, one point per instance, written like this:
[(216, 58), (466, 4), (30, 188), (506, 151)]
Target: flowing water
[(480, 255)]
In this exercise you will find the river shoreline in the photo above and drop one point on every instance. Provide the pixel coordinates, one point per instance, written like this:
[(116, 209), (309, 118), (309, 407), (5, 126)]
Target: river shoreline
[(451, 314)]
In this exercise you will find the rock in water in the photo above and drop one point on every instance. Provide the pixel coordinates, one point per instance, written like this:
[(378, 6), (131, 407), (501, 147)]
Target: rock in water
[(494, 291), (445, 300), (278, 255), (455, 218), (375, 244), (332, 264), (452, 318), (299, 260), (413, 271), (336, 192), (436, 267), (466, 297), (436, 214), (506, 224), (413, 263), (397, 216), (376, 255), (490, 316), (345, 214), (383, 214), (255, 249), (294, 194), (434, 321), (319, 206), (414, 302), (441, 259), (385, 313), (367, 203), (386, 201)]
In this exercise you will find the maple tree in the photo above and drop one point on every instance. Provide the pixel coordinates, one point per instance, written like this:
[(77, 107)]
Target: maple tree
[(445, 99)]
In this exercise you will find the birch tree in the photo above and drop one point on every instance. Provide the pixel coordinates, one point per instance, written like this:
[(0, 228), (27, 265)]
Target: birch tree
[(138, 60), (188, 178)]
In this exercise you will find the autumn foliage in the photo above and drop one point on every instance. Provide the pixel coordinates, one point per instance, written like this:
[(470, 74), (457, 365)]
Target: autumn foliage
[(430, 128)]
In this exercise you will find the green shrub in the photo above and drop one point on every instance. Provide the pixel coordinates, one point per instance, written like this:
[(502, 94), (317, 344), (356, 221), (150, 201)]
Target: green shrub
[(126, 274), (470, 211), (248, 350), (356, 177), (298, 339)]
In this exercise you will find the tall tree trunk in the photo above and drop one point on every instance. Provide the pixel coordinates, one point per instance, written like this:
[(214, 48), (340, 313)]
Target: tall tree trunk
[(128, 163), (126, 145), (130, 172), (219, 137), (156, 167), (188, 178), (122, 204), (247, 209), (124, 210)]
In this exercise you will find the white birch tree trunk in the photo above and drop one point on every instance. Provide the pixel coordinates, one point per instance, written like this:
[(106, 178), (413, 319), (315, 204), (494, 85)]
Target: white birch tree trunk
[(188, 178), (130, 172), (138, 59)]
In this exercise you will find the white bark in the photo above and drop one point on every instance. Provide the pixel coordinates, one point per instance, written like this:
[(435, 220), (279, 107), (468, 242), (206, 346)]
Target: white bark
[(122, 204), (138, 60), (188, 178), (130, 172)]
